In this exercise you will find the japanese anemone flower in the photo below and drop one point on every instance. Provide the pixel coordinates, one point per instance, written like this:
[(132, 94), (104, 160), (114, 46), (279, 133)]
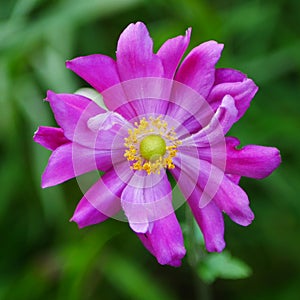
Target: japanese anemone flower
[(161, 118)]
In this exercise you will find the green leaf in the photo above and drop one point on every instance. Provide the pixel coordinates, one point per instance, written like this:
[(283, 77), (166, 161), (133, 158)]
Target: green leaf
[(222, 265)]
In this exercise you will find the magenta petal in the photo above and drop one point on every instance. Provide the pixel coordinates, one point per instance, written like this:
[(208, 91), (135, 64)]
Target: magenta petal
[(165, 241), (198, 68), (101, 201), (234, 178), (223, 75), (209, 217), (86, 214), (98, 70), (211, 223), (218, 126), (172, 51), (242, 92), (71, 160), (135, 57), (231, 199), (50, 137), (145, 199), (252, 160), (72, 110)]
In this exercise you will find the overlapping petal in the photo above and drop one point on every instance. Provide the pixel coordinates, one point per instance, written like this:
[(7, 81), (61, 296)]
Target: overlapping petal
[(71, 112), (218, 126), (198, 68), (101, 201), (145, 199), (231, 199), (171, 53), (235, 84), (71, 160)]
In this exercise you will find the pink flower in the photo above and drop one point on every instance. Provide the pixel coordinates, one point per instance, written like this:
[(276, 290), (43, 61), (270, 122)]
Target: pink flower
[(162, 115)]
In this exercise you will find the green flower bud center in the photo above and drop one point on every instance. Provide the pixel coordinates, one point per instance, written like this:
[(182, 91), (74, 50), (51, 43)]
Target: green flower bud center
[(152, 147)]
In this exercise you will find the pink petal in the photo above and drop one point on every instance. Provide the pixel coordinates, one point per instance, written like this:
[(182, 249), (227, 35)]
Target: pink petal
[(198, 68), (145, 199), (86, 214), (72, 111), (188, 108), (98, 70), (86, 123), (242, 91), (100, 202), (211, 223), (165, 241), (172, 51), (231, 199), (101, 73), (194, 174), (209, 184), (209, 217), (223, 75), (234, 178), (50, 137), (218, 126), (71, 160), (135, 56), (251, 161), (144, 96)]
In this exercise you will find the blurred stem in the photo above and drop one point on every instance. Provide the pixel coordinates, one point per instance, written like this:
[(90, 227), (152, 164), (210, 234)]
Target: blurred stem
[(195, 255)]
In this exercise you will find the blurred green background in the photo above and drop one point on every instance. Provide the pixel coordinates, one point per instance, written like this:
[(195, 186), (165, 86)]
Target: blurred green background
[(42, 255)]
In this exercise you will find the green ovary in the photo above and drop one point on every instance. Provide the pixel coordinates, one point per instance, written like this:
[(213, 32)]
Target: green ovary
[(152, 147)]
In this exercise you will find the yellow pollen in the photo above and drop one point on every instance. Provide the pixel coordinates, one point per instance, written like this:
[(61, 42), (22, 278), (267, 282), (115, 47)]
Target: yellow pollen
[(151, 145)]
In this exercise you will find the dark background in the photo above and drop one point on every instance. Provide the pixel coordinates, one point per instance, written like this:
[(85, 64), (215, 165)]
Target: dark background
[(42, 255)]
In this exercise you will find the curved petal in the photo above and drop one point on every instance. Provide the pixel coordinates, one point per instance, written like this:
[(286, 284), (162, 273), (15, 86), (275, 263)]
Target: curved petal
[(209, 184), (71, 160), (242, 92), (86, 214), (172, 51), (218, 126), (135, 57), (223, 75), (50, 137), (188, 108), (231, 199), (87, 124), (209, 217), (165, 241), (234, 178), (72, 111), (101, 201), (98, 70), (211, 223), (145, 199), (198, 68), (252, 160)]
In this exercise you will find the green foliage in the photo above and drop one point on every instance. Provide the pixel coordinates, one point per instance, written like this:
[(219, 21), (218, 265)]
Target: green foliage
[(43, 256), (222, 265)]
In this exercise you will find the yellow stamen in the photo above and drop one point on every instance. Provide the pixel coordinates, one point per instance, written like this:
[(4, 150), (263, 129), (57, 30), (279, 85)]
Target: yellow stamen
[(159, 145)]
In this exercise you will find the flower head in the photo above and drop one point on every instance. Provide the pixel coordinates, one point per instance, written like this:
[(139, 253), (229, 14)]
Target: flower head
[(162, 116)]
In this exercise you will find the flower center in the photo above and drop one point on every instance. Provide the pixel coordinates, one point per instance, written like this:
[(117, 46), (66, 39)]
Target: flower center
[(151, 145)]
